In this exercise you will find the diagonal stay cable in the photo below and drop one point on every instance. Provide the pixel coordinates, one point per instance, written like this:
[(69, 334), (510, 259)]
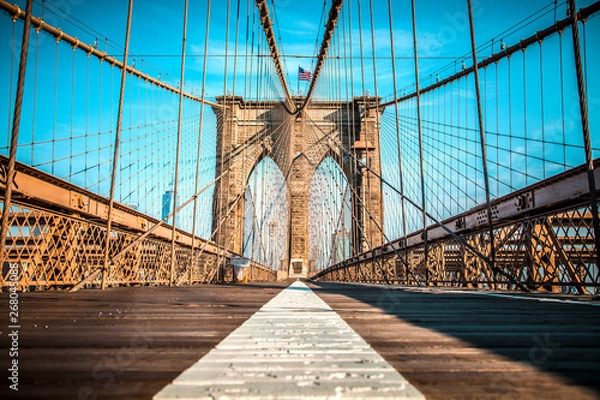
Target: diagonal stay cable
[(460, 239), (363, 205)]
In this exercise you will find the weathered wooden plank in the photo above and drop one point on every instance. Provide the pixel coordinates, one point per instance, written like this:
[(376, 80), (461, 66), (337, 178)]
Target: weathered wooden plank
[(121, 343)]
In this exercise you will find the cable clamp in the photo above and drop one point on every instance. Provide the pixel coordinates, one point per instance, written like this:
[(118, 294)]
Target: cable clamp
[(538, 38), (60, 35), (17, 13), (40, 26)]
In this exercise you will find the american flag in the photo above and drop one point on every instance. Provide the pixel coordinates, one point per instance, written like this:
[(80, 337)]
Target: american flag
[(304, 75)]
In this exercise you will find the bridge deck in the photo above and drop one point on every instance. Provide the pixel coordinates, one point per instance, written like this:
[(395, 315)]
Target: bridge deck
[(132, 342)]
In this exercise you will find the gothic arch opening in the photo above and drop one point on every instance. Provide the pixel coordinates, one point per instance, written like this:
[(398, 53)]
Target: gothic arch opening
[(329, 216), (266, 222)]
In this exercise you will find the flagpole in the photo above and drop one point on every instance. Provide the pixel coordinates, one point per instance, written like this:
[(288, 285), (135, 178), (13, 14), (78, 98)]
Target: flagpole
[(298, 76)]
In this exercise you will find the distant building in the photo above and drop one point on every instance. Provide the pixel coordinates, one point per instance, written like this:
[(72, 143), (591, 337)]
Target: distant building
[(341, 246), (167, 206)]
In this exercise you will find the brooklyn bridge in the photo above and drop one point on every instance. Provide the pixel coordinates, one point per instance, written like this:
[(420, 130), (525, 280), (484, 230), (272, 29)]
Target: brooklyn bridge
[(262, 199)]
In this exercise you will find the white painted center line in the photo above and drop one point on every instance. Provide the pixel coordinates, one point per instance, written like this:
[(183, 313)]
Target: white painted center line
[(294, 347)]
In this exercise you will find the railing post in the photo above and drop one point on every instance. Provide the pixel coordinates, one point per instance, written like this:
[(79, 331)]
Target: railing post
[(10, 173)]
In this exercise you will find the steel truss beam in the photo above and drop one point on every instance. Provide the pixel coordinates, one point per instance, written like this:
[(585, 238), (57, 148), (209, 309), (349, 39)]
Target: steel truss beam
[(530, 223), (57, 230)]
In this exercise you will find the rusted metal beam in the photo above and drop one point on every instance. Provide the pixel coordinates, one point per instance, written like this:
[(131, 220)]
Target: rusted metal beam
[(564, 259), (49, 192), (90, 278), (15, 12), (68, 211), (554, 194)]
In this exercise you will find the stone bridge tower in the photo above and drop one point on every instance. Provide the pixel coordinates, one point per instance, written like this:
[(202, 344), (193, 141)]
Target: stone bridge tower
[(248, 131)]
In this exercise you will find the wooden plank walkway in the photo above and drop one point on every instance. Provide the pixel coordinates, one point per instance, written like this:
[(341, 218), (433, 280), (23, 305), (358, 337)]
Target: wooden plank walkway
[(121, 343), (128, 343)]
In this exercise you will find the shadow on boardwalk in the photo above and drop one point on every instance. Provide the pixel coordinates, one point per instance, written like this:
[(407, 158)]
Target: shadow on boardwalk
[(443, 340)]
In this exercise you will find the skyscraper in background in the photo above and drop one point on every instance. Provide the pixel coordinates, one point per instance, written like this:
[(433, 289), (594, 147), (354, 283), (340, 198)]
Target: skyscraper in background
[(341, 246), (167, 205)]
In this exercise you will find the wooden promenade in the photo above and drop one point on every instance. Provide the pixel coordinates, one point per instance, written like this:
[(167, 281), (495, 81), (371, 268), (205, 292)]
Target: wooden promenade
[(129, 343)]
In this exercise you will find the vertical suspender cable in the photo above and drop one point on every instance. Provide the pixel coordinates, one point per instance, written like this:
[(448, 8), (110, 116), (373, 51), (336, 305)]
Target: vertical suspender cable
[(397, 121), (363, 177), (72, 113), (562, 97), (87, 122), (419, 127), (377, 115), (346, 104), (115, 162), (510, 124), (224, 184), (10, 80), (498, 166), (199, 153), (525, 141), (353, 165), (55, 111), (235, 51), (33, 113), (178, 150), (362, 58), (542, 110), (587, 142), (14, 141), (482, 141)]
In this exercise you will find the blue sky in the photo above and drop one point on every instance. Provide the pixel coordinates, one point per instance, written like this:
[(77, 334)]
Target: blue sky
[(157, 26)]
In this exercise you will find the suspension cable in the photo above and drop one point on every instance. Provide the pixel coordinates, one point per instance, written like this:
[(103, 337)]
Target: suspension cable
[(583, 108), (117, 142), (178, 149), (200, 131), (14, 141), (420, 133), (482, 139)]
